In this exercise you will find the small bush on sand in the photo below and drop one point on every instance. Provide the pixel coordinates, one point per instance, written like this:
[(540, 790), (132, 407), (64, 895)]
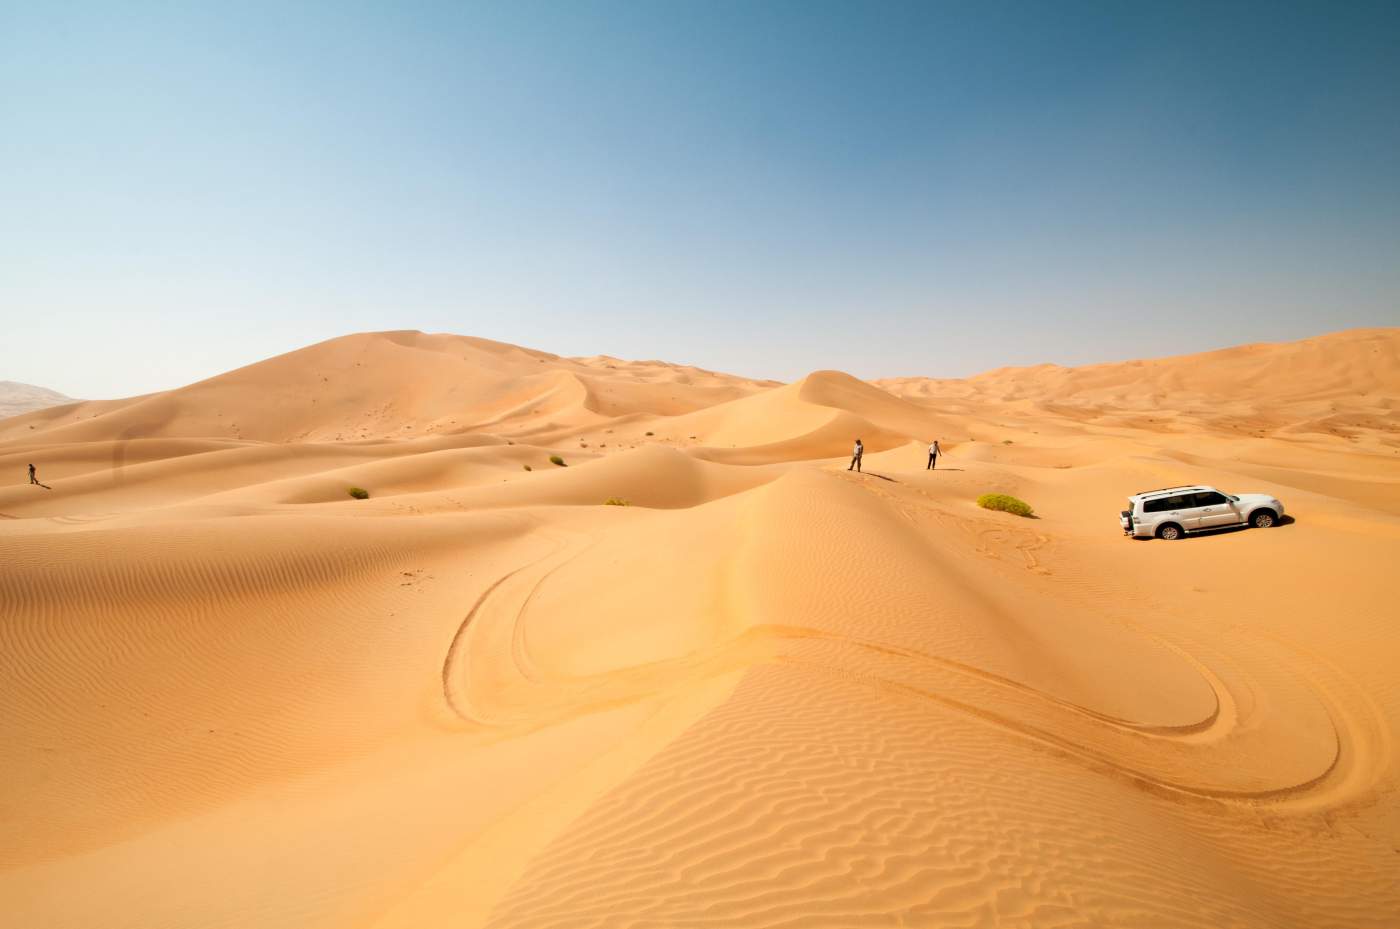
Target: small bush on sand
[(1006, 442), (615, 501), (527, 467), (1006, 503), (555, 459), (359, 493), (649, 433)]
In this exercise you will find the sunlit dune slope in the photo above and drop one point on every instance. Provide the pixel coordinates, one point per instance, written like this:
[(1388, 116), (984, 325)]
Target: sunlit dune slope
[(625, 644), (392, 384), (819, 416), (1344, 385), (17, 398)]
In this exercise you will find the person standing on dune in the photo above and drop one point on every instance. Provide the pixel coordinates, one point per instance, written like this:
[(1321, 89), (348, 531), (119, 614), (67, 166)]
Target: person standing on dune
[(855, 459), (32, 478), (933, 452)]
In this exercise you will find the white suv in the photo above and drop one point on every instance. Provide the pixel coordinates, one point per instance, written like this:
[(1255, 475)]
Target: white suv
[(1172, 512)]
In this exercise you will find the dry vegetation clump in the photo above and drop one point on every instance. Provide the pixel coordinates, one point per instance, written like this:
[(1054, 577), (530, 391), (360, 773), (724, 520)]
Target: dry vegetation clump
[(1006, 503)]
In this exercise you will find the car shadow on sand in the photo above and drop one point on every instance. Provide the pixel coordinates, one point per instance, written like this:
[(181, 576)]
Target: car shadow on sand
[(1224, 530)]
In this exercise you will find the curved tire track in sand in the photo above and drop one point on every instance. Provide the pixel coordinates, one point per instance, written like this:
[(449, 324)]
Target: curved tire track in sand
[(527, 697)]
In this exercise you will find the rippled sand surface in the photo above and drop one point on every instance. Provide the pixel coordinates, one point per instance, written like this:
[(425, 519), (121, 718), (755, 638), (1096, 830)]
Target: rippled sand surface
[(769, 692)]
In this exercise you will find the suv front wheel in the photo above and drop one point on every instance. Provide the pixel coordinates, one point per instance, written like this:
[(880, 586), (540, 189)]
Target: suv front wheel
[(1263, 519), (1169, 531)]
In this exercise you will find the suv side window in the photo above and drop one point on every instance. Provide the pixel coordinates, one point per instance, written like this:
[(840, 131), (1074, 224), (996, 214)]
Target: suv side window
[(1166, 504), (1209, 498)]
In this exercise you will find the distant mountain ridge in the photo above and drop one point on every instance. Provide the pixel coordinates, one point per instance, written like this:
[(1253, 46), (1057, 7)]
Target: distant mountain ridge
[(17, 398)]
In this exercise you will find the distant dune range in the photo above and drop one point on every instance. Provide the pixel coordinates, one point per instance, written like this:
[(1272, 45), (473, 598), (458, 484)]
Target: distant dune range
[(17, 398), (769, 692)]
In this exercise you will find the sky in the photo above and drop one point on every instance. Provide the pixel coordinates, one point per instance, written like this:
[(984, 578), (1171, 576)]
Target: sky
[(766, 188)]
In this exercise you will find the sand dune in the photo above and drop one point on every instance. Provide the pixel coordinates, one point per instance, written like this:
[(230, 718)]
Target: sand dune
[(1342, 385), (768, 692), (391, 385), (17, 398)]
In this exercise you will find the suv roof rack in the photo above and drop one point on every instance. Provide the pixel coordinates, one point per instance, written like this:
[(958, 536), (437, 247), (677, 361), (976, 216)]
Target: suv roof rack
[(1161, 490)]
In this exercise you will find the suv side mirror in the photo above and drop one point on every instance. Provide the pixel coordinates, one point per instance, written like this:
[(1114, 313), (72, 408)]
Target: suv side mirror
[(1233, 498)]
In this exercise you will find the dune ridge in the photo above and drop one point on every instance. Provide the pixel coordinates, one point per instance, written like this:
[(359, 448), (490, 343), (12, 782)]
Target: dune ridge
[(17, 398), (762, 690)]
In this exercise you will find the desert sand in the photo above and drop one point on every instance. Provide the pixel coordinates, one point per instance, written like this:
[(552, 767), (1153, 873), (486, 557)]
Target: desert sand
[(17, 398), (770, 692)]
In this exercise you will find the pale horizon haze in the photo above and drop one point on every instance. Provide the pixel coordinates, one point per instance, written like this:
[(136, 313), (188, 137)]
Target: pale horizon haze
[(766, 189)]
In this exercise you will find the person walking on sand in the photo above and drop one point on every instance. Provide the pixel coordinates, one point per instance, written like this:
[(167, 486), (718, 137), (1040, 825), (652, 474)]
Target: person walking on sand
[(933, 452), (855, 458), (32, 478)]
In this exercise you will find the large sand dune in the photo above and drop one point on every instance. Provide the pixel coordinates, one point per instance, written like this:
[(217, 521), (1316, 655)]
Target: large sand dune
[(770, 692), (17, 398)]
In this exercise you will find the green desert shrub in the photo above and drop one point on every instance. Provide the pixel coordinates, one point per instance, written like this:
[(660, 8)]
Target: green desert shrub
[(615, 501), (555, 459), (1006, 503), (359, 493)]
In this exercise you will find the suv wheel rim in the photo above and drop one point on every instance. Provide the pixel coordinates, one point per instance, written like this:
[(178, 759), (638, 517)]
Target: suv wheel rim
[(1263, 520), (1170, 533)]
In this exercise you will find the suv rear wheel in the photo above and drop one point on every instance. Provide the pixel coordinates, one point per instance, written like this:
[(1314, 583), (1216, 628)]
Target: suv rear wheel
[(1263, 519), (1169, 531)]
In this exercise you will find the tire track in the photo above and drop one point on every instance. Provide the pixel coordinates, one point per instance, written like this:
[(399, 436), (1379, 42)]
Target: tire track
[(532, 699)]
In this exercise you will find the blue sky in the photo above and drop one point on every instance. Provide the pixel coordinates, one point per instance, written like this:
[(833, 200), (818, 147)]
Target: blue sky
[(765, 188)]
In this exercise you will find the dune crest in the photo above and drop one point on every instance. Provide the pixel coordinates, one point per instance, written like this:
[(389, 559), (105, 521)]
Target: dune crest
[(625, 643), (17, 398)]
